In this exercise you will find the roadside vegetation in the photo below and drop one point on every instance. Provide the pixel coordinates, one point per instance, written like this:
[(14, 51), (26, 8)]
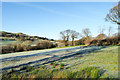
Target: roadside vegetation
[(26, 46), (46, 73), (68, 46)]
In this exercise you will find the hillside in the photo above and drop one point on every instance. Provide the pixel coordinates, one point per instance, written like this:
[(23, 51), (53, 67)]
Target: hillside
[(20, 36)]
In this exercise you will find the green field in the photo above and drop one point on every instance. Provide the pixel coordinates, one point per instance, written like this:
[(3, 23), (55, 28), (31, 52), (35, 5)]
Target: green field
[(96, 64), (7, 42)]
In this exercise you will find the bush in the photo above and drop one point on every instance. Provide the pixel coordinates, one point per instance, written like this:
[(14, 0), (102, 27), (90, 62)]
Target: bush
[(26, 46), (44, 44), (87, 42), (80, 42), (94, 42), (106, 42)]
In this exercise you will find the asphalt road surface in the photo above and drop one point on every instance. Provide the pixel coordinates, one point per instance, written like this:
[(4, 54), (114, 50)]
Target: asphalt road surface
[(39, 57)]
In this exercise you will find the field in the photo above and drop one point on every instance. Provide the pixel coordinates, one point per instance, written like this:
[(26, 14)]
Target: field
[(4, 43), (101, 63)]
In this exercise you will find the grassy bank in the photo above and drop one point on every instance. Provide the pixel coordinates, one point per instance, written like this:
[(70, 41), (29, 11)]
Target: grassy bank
[(67, 47), (96, 64)]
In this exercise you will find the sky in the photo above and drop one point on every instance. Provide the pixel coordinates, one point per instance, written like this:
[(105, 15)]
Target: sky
[(48, 19), (60, 0)]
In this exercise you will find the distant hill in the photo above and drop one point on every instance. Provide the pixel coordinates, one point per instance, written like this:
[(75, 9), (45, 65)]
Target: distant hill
[(20, 36)]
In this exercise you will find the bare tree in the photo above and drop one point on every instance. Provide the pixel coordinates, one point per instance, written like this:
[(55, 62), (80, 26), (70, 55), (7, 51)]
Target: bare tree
[(101, 30), (74, 35), (68, 33), (109, 31), (65, 36), (86, 32), (114, 14)]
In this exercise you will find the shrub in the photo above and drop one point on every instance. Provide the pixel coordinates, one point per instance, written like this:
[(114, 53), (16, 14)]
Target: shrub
[(44, 44), (106, 42), (89, 72), (109, 41), (87, 42), (94, 42), (80, 42), (26, 46), (12, 48), (18, 48)]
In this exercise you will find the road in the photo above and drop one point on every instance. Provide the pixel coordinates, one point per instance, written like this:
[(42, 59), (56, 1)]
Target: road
[(39, 57)]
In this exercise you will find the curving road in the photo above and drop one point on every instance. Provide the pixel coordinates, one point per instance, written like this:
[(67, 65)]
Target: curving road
[(39, 57)]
